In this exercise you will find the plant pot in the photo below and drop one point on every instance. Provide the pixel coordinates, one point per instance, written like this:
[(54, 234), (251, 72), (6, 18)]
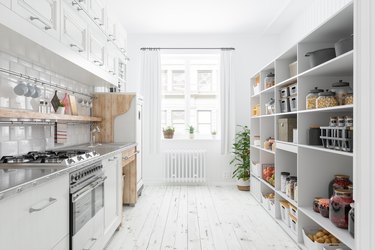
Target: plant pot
[(168, 135), (191, 136), (60, 110), (243, 185)]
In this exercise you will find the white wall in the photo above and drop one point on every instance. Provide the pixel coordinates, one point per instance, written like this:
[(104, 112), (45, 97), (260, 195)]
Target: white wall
[(251, 54), (312, 17)]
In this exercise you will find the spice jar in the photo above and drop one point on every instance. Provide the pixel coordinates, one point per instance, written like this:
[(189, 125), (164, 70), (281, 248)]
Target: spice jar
[(339, 207), (348, 98), (351, 220), (341, 89), (341, 121), (283, 177), (348, 121), (311, 98), (324, 207), (333, 121), (316, 204), (269, 80), (339, 182), (326, 99)]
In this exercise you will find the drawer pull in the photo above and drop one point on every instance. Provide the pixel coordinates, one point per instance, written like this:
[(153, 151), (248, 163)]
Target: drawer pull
[(46, 26), (97, 62), (72, 45), (125, 158), (113, 159), (50, 202), (97, 19), (92, 244)]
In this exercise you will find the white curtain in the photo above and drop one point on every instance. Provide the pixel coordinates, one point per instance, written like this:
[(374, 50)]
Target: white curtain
[(227, 101), (151, 90)]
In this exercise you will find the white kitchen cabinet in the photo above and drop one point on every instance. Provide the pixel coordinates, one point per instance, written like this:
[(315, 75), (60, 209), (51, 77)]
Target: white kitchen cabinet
[(73, 30), (111, 28), (111, 63), (6, 3), (43, 14), (97, 12), (97, 42), (121, 38), (37, 218), (121, 68), (62, 244)]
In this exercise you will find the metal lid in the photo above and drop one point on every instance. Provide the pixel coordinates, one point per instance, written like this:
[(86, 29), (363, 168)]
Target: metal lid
[(271, 74), (317, 198), (340, 84), (316, 90), (272, 101), (327, 93), (342, 176), (285, 173), (293, 178), (343, 191)]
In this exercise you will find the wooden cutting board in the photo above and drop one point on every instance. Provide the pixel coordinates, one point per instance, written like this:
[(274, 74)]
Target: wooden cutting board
[(73, 105)]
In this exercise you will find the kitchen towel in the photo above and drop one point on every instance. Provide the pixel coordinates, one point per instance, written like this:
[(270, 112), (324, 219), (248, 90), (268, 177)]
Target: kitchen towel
[(61, 134)]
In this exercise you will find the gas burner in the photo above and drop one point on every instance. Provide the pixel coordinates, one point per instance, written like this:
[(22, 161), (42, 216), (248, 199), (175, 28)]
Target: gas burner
[(54, 159), (16, 159)]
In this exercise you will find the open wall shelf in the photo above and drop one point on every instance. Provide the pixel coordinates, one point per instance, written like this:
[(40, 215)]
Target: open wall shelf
[(314, 166)]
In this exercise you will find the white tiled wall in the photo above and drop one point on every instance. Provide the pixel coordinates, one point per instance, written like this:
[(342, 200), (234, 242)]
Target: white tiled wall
[(16, 140)]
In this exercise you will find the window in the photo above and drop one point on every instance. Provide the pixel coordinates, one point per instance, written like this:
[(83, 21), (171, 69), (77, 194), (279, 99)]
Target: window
[(190, 93)]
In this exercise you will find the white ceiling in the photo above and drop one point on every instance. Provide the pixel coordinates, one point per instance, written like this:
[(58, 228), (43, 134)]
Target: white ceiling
[(207, 16)]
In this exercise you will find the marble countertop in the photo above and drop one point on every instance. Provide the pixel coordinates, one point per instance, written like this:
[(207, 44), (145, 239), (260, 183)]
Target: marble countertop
[(15, 179)]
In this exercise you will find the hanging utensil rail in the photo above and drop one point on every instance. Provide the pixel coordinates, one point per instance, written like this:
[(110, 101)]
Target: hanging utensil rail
[(46, 123), (36, 80)]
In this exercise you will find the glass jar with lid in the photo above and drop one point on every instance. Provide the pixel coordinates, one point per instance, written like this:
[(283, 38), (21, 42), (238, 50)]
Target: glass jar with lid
[(339, 207), (326, 99), (339, 182), (311, 98), (270, 107), (348, 98), (283, 176), (351, 220), (341, 89), (269, 80)]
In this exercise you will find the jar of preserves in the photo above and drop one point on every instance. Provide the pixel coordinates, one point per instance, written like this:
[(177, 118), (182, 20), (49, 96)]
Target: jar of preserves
[(341, 89), (351, 220), (283, 176), (326, 99), (269, 80), (339, 182), (311, 98), (339, 207), (348, 98), (324, 207), (316, 204)]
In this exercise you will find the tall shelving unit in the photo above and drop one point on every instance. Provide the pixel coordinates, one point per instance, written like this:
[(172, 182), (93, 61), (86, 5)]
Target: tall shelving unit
[(314, 166)]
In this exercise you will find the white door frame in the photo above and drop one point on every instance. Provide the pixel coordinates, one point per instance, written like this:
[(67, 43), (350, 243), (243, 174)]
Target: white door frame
[(364, 121)]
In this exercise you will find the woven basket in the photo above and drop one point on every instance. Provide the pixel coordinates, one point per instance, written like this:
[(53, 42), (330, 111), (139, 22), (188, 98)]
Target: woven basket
[(168, 135)]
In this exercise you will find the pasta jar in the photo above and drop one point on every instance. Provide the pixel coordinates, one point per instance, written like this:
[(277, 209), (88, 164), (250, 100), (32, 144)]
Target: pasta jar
[(326, 99), (341, 89), (348, 98), (269, 80), (283, 177), (311, 98), (339, 207), (339, 182)]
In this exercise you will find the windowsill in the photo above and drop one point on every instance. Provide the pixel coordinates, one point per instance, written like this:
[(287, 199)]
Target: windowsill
[(195, 139)]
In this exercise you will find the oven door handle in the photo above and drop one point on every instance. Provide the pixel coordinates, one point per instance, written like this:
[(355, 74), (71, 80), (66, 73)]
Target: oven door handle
[(77, 196)]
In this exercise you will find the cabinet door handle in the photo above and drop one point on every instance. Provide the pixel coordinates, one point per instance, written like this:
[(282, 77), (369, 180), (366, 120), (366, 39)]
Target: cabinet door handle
[(125, 158), (78, 8), (92, 244), (46, 26), (97, 19), (113, 159), (72, 45), (50, 202), (97, 62)]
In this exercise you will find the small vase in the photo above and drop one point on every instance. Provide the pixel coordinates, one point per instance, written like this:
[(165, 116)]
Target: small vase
[(191, 136), (60, 110)]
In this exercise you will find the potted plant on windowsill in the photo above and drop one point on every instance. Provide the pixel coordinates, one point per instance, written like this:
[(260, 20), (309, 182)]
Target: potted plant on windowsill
[(191, 132), (241, 158), (168, 132), (213, 133), (61, 109)]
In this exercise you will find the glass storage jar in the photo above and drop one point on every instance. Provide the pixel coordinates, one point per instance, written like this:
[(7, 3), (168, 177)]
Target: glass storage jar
[(316, 204), (326, 99), (270, 107), (290, 186), (351, 220), (311, 98), (324, 207), (283, 177), (339, 207), (348, 98), (341, 89), (295, 193), (269, 80), (339, 182)]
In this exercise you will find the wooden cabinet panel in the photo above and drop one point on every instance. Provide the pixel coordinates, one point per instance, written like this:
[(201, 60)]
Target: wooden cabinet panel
[(129, 169), (43, 14)]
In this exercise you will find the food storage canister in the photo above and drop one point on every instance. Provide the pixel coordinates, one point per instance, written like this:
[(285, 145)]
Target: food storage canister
[(341, 89), (340, 121), (333, 121), (324, 207), (283, 176), (284, 105), (284, 92), (270, 107), (348, 121), (290, 186), (311, 98), (326, 99), (351, 220), (339, 207), (293, 89), (295, 193), (339, 182), (348, 98), (293, 103), (269, 80), (316, 204)]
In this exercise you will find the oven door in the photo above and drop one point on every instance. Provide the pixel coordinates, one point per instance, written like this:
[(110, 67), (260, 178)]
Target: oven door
[(86, 203)]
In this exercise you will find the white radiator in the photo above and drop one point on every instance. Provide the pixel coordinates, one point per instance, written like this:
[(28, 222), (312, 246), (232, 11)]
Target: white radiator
[(185, 166)]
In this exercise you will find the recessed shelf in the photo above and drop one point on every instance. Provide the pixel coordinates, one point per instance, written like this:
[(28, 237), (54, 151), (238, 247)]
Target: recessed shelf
[(287, 146), (285, 197), (267, 184), (262, 149), (342, 234), (336, 108), (287, 113), (321, 148), (25, 114), (287, 81)]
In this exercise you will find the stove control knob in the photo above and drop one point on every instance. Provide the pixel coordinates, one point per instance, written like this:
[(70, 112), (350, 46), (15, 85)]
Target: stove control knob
[(80, 158), (77, 177), (71, 161)]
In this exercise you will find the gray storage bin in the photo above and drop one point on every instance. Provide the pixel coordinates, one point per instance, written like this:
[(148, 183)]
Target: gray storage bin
[(285, 127), (320, 56), (292, 89), (284, 92), (293, 103), (284, 105)]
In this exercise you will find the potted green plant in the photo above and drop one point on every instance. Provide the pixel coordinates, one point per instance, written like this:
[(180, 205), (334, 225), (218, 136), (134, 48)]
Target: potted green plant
[(191, 132), (61, 108), (168, 132), (213, 133), (241, 158)]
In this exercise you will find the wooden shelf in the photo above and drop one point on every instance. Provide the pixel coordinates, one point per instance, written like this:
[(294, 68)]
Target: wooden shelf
[(25, 114)]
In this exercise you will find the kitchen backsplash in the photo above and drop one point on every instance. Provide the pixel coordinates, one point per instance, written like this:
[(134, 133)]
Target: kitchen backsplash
[(22, 139)]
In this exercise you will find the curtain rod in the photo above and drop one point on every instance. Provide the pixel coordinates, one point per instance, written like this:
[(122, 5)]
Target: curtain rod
[(188, 48)]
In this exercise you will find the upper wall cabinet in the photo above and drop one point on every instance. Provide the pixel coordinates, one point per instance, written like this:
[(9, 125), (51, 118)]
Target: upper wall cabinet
[(98, 13), (121, 38), (97, 42), (5, 2), (42, 13), (111, 29), (73, 30)]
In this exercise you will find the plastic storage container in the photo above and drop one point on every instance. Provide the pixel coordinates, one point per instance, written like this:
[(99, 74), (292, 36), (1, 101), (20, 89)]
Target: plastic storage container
[(293, 223), (326, 99), (284, 105), (284, 92), (283, 176), (293, 69), (293, 210), (341, 89), (269, 80), (292, 89), (284, 212), (311, 98), (293, 103), (348, 98)]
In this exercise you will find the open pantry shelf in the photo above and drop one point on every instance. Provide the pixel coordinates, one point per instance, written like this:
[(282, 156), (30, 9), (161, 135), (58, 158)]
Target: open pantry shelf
[(314, 166)]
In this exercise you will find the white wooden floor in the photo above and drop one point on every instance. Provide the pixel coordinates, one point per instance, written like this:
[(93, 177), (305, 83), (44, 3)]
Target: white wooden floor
[(198, 217)]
